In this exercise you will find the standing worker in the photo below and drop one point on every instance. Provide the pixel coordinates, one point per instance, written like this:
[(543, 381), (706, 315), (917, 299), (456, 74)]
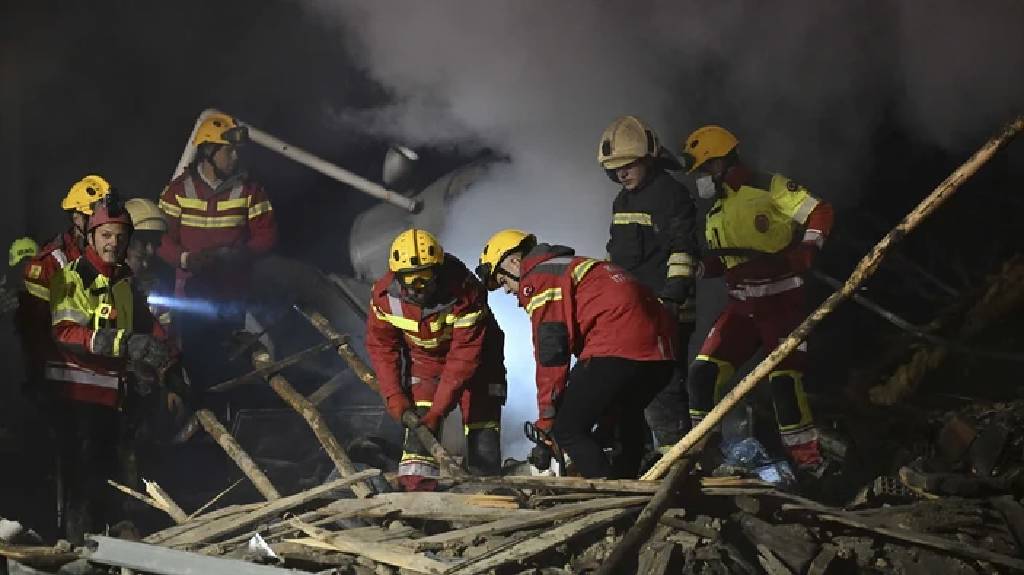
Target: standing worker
[(763, 233), (622, 336), (109, 345), (430, 313), (219, 221), (22, 251), (653, 237)]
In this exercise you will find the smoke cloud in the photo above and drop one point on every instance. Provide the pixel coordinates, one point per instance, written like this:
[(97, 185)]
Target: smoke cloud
[(805, 85)]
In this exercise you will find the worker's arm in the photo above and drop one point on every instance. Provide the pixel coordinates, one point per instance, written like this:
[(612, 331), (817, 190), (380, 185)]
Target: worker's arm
[(552, 349), (262, 225), (384, 346), (170, 249), (680, 237), (469, 326), (811, 214)]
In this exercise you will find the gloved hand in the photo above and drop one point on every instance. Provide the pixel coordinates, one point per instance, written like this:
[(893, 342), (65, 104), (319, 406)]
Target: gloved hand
[(432, 419), (145, 350), (396, 405), (197, 262), (540, 457), (801, 256), (232, 255)]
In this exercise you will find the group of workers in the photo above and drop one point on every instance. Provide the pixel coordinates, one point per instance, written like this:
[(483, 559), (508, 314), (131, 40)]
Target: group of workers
[(94, 347), (626, 319), (92, 343)]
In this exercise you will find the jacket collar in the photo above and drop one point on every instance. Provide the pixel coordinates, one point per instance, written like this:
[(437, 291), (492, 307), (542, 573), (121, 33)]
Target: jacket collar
[(542, 253)]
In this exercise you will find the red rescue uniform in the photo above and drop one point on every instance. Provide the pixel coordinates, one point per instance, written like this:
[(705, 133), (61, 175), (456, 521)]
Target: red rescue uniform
[(453, 352), (622, 336)]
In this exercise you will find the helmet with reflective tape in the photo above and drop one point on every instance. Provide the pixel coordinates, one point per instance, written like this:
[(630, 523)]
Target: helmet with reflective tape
[(84, 193), (108, 210), (625, 141), (145, 215), (706, 144), (500, 245), (22, 248), (220, 129)]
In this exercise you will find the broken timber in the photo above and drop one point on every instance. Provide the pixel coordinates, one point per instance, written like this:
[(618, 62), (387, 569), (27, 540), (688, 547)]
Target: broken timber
[(223, 438)]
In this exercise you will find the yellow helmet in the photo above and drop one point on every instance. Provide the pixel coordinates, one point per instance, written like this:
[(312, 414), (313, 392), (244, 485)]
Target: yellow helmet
[(84, 193), (500, 245), (145, 215), (625, 141), (220, 129), (22, 248), (415, 250), (705, 144)]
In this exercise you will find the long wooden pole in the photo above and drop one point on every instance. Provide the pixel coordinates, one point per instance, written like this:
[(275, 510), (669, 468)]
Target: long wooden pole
[(862, 272), (223, 438)]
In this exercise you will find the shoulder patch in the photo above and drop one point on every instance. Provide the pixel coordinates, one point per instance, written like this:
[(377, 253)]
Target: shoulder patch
[(34, 271), (792, 186), (527, 290)]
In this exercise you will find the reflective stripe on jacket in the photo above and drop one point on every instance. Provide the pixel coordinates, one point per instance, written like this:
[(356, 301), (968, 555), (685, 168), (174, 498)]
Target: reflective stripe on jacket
[(586, 307)]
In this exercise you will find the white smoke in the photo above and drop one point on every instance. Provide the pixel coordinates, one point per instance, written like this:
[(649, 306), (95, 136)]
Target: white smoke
[(803, 84)]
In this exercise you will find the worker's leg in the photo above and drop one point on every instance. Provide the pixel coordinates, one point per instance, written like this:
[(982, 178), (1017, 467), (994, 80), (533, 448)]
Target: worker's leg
[(667, 413), (418, 470), (777, 316), (649, 381), (730, 342), (481, 405)]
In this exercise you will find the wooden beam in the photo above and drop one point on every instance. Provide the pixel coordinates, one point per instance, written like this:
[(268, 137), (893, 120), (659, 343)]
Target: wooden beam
[(259, 480), (387, 553)]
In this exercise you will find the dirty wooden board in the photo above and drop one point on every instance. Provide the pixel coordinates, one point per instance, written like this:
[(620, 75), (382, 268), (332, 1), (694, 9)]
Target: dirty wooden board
[(196, 522), (227, 525), (455, 507), (467, 535), (387, 553), (533, 546)]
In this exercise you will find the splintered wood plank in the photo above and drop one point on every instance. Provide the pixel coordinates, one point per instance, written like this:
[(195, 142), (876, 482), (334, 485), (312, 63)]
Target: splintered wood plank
[(387, 553), (534, 546), (264, 511), (197, 522), (468, 535), (455, 507)]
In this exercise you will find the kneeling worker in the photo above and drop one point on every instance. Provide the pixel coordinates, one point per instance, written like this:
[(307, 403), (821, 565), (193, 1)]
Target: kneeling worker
[(623, 337), (431, 312)]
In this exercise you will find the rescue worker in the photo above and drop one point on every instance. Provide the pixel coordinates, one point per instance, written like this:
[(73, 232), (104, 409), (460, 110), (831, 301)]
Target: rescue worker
[(149, 225), (33, 317), (21, 251), (219, 220), (432, 311), (653, 237), (622, 336), (109, 344), (762, 232)]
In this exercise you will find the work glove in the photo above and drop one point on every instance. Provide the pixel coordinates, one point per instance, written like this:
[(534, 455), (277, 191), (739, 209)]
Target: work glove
[(232, 255), (396, 405), (540, 456), (432, 419), (800, 257), (147, 351)]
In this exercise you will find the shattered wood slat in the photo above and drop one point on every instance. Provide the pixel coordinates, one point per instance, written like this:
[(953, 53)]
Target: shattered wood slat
[(223, 438), (166, 503), (865, 268), (455, 507), (387, 553), (772, 564), (467, 535), (533, 546), (265, 511), (409, 419), (648, 520), (197, 522), (148, 500), (316, 422), (930, 541), (561, 483)]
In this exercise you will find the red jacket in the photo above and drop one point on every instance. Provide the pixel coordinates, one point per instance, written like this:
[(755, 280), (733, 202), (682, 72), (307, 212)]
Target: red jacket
[(587, 308), (237, 214), (90, 296), (454, 341), (33, 316)]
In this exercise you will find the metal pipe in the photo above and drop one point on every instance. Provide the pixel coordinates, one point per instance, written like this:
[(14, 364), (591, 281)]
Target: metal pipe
[(306, 159)]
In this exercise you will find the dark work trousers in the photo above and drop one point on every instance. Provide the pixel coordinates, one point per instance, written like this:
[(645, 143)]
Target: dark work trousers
[(613, 386), (668, 413), (88, 438)]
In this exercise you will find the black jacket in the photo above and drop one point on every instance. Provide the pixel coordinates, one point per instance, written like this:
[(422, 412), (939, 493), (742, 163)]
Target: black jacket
[(649, 224)]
